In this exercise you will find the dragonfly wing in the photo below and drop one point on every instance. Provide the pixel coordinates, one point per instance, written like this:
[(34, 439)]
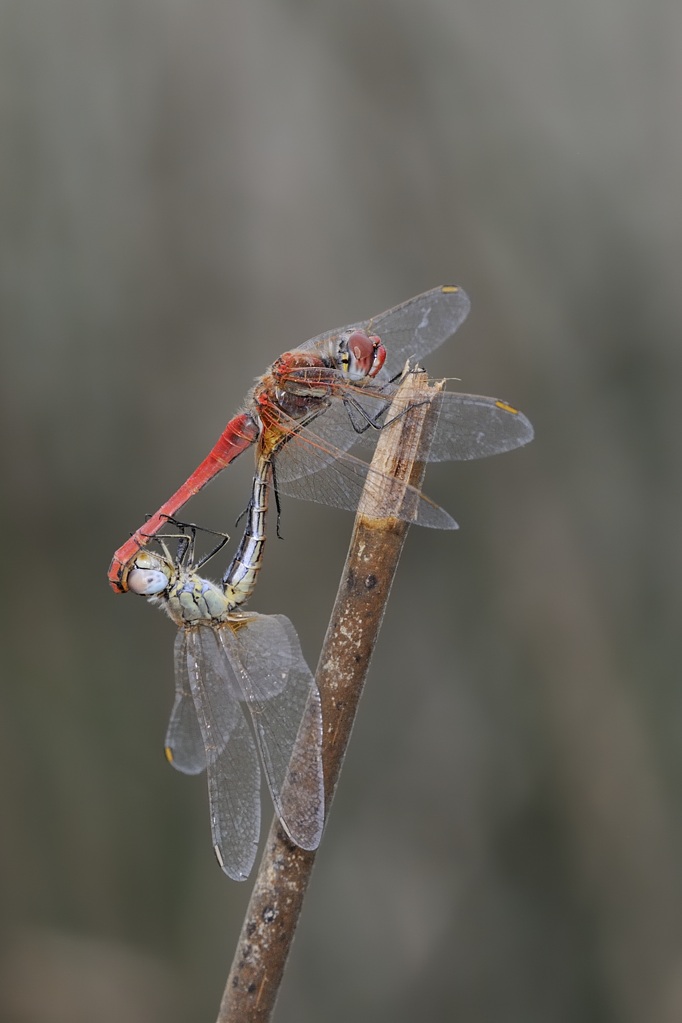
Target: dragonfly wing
[(409, 330), (284, 702), (340, 484), (332, 432), (472, 426), (419, 326), (232, 760), (184, 742)]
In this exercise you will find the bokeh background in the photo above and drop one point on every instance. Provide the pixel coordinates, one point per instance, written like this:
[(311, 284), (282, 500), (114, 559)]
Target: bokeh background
[(189, 189)]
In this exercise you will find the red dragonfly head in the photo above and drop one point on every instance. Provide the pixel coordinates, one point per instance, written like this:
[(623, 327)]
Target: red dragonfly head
[(361, 355)]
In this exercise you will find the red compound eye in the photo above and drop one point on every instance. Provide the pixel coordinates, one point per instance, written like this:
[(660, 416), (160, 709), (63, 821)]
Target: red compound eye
[(367, 355)]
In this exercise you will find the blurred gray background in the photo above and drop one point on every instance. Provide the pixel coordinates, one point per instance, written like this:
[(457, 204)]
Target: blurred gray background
[(187, 190)]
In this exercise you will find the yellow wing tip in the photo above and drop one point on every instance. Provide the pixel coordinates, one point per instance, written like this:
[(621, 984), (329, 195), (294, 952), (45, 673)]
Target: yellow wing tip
[(169, 754), (449, 289), (507, 408)]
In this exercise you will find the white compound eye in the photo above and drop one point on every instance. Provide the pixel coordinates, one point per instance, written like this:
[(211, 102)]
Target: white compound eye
[(147, 582)]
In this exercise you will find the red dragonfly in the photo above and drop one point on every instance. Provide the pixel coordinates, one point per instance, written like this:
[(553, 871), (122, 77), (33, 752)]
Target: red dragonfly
[(319, 399)]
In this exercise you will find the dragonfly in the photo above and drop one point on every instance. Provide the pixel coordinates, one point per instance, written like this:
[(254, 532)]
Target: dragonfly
[(316, 401), (232, 667)]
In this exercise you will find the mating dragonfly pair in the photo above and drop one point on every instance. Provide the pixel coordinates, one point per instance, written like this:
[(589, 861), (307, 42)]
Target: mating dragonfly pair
[(303, 416)]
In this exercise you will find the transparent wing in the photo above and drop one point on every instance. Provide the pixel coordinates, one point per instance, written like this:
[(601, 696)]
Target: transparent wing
[(419, 326), (232, 760), (184, 742), (469, 426), (472, 426), (310, 469), (412, 329), (334, 426), (284, 702)]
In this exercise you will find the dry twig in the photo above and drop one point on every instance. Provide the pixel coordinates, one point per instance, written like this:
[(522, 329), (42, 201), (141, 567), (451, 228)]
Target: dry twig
[(376, 544)]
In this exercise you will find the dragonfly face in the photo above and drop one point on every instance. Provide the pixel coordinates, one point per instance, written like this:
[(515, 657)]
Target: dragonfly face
[(149, 574), (360, 355)]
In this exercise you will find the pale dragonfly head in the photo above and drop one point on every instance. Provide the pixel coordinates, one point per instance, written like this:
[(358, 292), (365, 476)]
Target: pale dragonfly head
[(150, 574), (187, 597)]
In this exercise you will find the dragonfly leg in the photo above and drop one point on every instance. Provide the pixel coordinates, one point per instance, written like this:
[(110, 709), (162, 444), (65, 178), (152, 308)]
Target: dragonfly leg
[(187, 544), (278, 504), (218, 547), (374, 422), (242, 513)]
